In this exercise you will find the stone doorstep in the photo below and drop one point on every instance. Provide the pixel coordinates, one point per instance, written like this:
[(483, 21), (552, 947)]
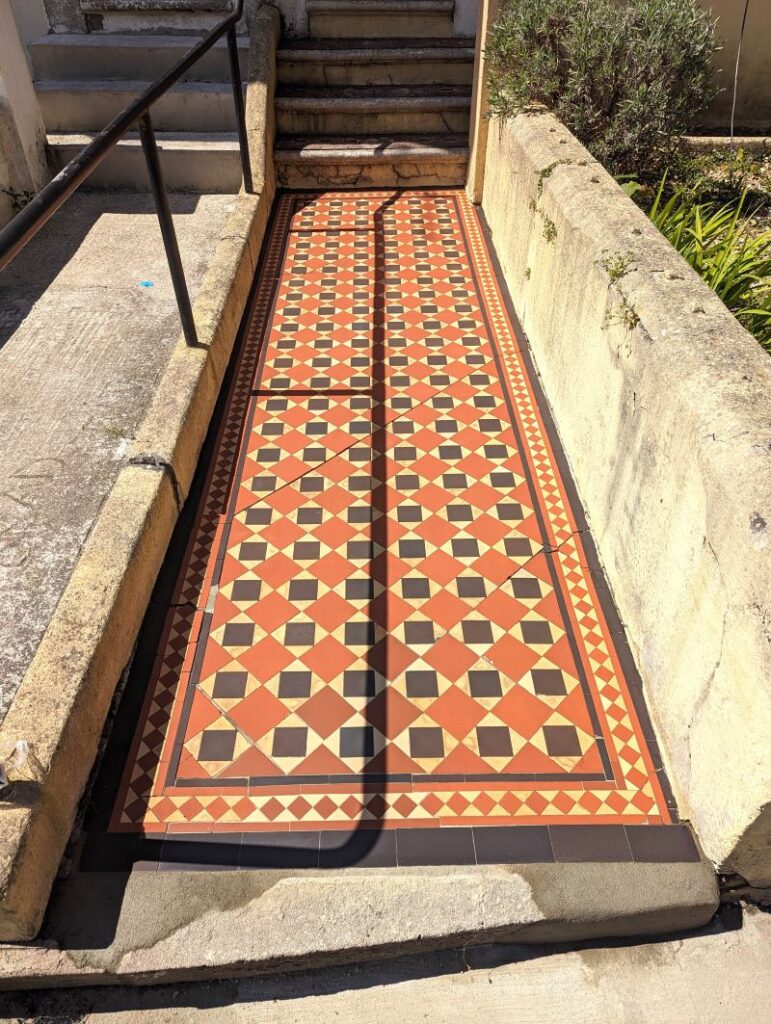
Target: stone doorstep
[(174, 926)]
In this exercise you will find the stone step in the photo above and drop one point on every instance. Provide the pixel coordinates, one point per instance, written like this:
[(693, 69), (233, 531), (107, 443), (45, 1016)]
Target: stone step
[(89, 106), (362, 19), (373, 110), (155, 6), (336, 62), (191, 162), (354, 162), (126, 56)]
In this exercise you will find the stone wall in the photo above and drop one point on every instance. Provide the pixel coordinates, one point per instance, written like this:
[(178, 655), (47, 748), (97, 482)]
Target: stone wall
[(663, 404)]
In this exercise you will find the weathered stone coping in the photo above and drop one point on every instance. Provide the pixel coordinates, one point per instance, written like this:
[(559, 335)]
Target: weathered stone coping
[(63, 700)]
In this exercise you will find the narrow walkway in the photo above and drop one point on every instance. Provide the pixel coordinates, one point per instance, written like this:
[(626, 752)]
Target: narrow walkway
[(388, 622)]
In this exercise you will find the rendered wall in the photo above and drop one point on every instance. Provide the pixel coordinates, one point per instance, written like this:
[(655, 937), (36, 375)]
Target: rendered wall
[(663, 404)]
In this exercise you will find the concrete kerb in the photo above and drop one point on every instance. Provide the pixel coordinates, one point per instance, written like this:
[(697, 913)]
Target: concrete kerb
[(662, 402), (177, 926), (63, 700)]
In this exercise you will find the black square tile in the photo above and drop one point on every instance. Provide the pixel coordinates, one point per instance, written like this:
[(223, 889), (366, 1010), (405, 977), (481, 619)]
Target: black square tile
[(357, 741), (290, 741), (294, 684), (536, 632), (514, 844), (359, 590), (421, 683), (526, 587), (419, 847), (279, 850), (418, 633), (409, 514), (358, 682), (303, 590), (494, 741), (561, 741), (465, 547), (306, 551), (471, 586), (259, 516), (412, 549), (484, 683), (415, 587), (359, 634), (360, 848), (589, 843), (299, 634), (217, 745), (246, 590), (548, 682), (229, 685), (662, 844), (426, 741), (309, 516), (252, 551), (238, 634), (475, 632)]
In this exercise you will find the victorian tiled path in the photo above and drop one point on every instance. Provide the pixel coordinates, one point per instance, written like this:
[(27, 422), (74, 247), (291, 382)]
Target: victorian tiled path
[(388, 632)]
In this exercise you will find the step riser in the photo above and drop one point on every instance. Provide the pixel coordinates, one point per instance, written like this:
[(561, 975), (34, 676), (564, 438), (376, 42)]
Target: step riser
[(73, 60), (305, 122), (199, 170), (90, 110), (312, 174), (419, 72), (366, 25)]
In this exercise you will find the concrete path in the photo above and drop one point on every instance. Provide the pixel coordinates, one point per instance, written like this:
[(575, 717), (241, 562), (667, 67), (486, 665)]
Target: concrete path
[(87, 322), (720, 975)]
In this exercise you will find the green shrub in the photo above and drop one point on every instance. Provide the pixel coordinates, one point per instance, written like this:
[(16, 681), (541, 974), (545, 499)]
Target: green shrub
[(719, 244), (628, 77)]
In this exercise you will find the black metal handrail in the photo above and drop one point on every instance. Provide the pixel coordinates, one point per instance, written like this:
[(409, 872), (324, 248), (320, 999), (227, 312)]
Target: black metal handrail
[(26, 224)]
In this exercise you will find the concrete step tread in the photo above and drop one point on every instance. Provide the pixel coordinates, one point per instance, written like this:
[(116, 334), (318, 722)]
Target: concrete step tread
[(451, 146), (373, 99), (132, 40), (383, 6), (127, 85), (223, 141), (305, 47), (199, 6), (356, 92)]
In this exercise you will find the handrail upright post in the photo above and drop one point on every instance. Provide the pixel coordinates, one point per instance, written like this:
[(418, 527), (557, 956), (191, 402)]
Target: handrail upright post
[(163, 210), (238, 99)]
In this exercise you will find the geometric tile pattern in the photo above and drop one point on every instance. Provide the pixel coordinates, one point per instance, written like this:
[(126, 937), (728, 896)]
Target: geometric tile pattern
[(385, 615)]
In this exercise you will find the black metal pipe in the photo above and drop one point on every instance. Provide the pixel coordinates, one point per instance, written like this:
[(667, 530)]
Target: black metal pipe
[(238, 99), (167, 229), (26, 224)]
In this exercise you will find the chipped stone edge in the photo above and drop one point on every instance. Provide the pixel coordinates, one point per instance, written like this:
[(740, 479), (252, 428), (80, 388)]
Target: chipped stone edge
[(63, 699), (662, 405)]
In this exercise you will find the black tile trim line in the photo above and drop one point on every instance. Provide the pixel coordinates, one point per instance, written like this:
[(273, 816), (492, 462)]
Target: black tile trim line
[(392, 847)]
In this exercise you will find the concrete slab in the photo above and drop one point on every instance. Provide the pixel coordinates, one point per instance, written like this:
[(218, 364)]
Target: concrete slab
[(717, 975), (87, 323), (179, 925)]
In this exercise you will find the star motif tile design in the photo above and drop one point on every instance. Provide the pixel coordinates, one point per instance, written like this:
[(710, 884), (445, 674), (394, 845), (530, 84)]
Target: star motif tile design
[(385, 614)]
